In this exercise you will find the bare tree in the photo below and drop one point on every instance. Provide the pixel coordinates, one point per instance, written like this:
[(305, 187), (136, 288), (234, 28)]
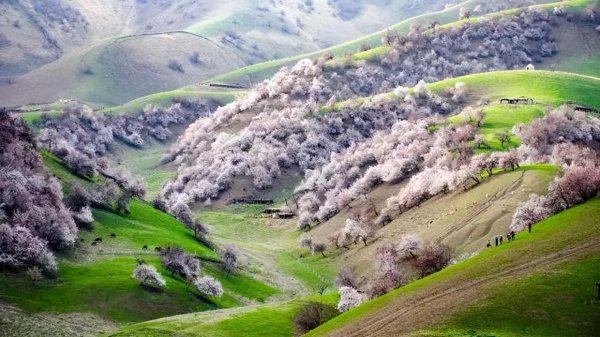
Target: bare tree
[(346, 278), (312, 315), (503, 137), (434, 257), (317, 248)]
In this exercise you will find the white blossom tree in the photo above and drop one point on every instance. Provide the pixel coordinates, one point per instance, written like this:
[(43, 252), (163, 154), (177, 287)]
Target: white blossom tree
[(209, 286), (349, 298), (147, 275)]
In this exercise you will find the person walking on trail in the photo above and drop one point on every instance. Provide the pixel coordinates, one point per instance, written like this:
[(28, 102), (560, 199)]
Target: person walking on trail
[(512, 235), (496, 241), (501, 238), (489, 244), (529, 227)]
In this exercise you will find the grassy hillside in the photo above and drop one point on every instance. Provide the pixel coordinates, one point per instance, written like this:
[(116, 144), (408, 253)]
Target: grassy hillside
[(545, 87), (271, 247), (499, 118), (96, 279), (548, 89), (254, 321), (40, 32), (504, 291), (261, 71), (119, 45), (221, 95), (274, 30), (566, 286)]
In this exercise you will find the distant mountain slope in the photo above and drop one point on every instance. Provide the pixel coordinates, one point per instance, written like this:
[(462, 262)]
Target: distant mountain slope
[(121, 69), (38, 32), (34, 33), (451, 13), (267, 30)]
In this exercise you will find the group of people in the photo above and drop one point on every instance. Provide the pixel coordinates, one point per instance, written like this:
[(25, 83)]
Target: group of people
[(500, 239)]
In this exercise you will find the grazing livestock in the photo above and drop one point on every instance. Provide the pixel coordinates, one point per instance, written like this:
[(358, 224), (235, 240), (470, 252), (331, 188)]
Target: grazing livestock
[(113, 235), (145, 247)]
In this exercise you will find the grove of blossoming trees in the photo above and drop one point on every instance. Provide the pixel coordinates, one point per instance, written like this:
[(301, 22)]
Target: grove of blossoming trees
[(81, 137), (33, 217), (568, 138), (292, 122)]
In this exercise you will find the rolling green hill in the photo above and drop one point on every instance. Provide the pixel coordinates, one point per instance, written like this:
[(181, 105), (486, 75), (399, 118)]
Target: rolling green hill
[(274, 320), (96, 279), (572, 35), (542, 284), (576, 43), (532, 286)]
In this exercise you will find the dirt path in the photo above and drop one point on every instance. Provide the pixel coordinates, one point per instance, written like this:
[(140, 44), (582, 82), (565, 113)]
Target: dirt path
[(407, 314)]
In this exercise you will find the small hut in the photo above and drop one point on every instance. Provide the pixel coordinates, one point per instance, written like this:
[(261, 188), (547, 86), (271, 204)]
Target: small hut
[(530, 67)]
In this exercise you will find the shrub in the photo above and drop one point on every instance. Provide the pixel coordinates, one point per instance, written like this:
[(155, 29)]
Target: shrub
[(176, 66), (317, 248), (312, 315), (346, 278), (410, 246)]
